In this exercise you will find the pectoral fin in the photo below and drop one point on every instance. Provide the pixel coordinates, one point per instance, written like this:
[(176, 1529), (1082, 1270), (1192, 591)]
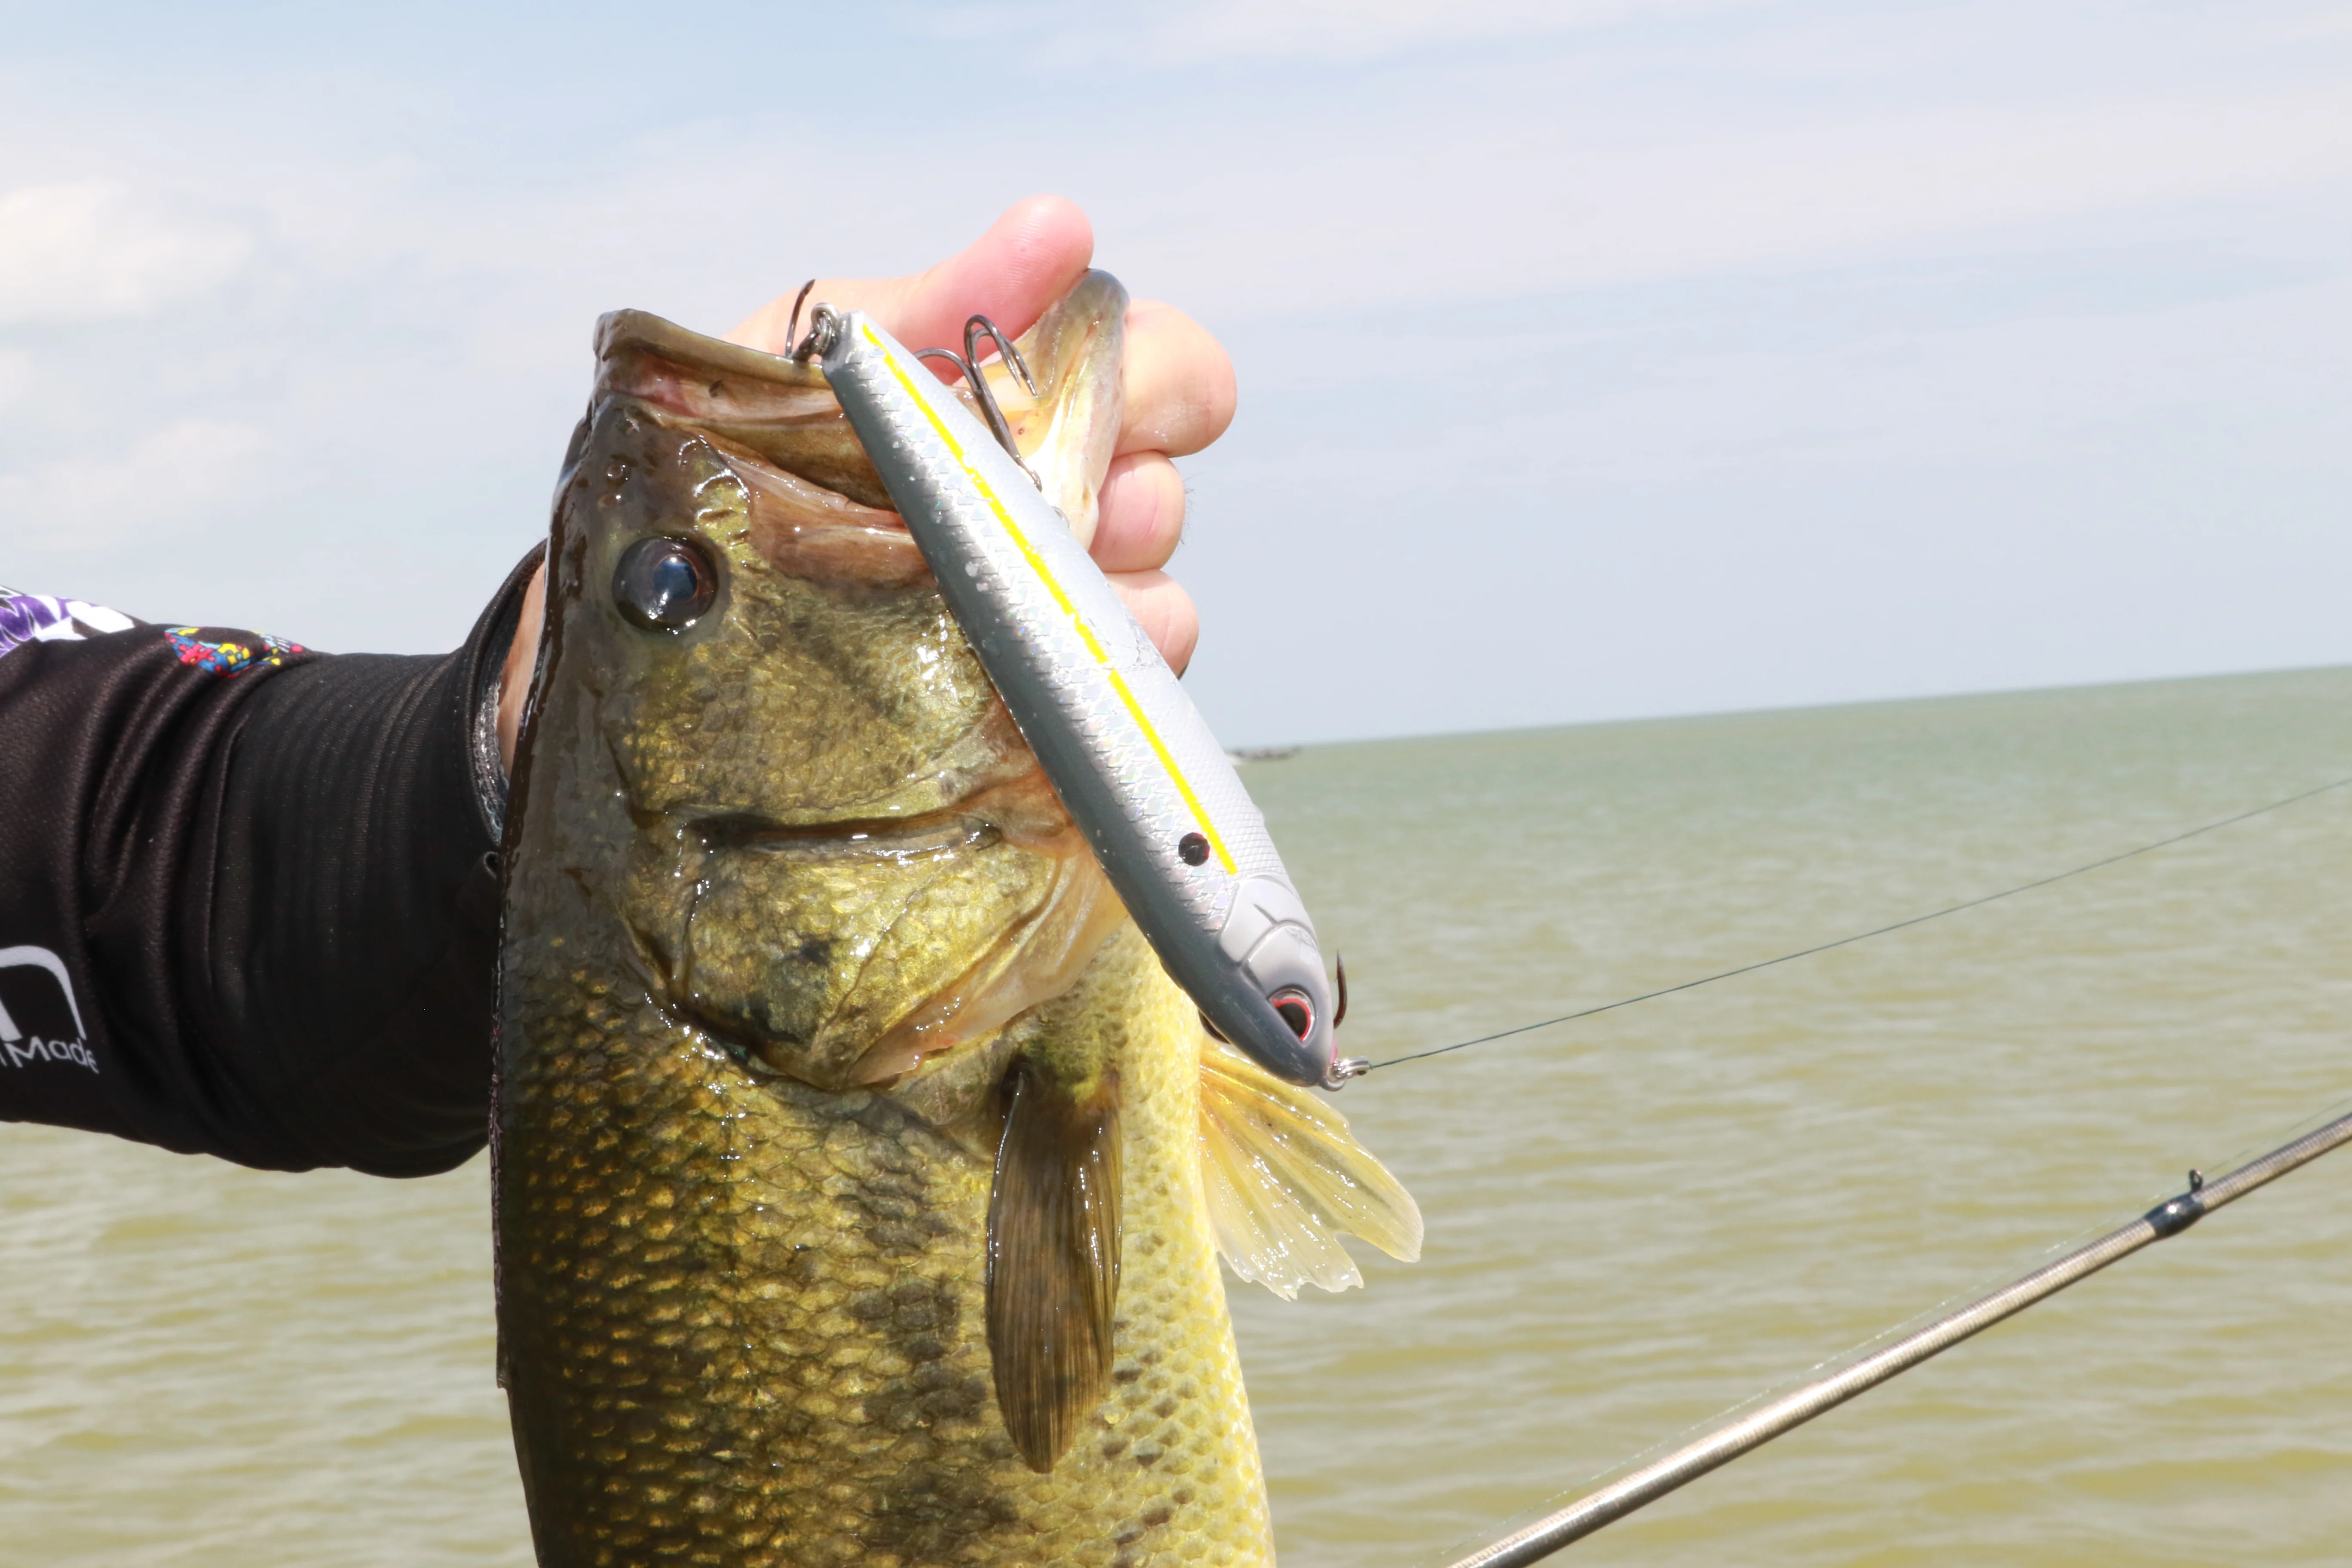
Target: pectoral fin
[(1283, 1177), (1053, 1259)]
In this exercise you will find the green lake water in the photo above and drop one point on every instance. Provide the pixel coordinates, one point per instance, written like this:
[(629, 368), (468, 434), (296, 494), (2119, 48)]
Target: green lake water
[(1634, 1221)]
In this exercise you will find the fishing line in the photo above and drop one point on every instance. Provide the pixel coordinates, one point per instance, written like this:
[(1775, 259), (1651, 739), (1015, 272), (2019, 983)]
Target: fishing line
[(1864, 936), (1756, 1421)]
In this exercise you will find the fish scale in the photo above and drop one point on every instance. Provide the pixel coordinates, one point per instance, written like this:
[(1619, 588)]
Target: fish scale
[(760, 1303)]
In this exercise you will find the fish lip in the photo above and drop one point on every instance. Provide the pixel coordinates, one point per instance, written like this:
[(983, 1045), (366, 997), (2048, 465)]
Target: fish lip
[(722, 832), (953, 828)]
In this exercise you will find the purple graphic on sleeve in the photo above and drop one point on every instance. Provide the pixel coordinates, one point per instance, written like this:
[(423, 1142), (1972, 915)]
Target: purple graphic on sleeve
[(37, 618)]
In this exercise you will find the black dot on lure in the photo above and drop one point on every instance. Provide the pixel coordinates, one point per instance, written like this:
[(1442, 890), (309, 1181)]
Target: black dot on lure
[(665, 584), (1194, 850)]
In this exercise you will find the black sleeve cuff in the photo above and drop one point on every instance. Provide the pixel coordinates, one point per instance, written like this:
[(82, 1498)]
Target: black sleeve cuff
[(352, 948), (267, 883)]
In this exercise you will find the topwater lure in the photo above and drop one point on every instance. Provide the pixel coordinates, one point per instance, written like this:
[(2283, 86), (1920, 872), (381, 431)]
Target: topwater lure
[(1131, 758)]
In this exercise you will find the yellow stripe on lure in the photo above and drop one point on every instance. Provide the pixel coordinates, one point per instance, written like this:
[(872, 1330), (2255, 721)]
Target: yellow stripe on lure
[(1132, 759)]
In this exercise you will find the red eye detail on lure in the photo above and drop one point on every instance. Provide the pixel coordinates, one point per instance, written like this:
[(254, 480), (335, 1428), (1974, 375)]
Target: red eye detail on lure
[(1296, 1011)]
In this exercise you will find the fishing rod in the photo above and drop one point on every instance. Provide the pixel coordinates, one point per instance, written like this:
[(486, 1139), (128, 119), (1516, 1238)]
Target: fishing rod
[(1357, 1067), (1743, 1434)]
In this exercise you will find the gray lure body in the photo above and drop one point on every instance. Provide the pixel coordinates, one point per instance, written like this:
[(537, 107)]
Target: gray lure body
[(1133, 762)]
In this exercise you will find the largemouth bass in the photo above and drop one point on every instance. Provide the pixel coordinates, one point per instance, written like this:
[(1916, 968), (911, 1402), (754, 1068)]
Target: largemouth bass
[(860, 1174)]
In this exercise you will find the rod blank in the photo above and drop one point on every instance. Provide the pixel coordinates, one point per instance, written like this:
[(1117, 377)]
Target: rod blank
[(1743, 1434)]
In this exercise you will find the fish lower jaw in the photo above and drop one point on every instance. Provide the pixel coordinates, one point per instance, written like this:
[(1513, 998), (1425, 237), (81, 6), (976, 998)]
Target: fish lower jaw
[(850, 1070)]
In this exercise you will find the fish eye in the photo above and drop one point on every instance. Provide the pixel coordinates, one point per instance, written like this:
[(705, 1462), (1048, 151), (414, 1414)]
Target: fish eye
[(665, 584), (1296, 1011)]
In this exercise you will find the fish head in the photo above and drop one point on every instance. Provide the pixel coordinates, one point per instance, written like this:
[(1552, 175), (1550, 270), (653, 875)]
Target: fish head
[(778, 765)]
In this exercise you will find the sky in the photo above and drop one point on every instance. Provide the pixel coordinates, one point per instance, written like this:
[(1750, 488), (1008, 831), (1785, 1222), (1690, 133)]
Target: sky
[(1597, 360)]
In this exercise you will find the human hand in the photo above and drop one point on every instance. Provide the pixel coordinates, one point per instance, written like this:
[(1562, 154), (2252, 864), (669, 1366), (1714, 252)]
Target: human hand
[(1178, 382)]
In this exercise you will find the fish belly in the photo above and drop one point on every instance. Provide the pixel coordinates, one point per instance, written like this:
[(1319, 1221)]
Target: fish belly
[(742, 1320)]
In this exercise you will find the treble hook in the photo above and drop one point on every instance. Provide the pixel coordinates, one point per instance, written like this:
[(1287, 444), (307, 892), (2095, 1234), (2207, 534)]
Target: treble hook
[(825, 324), (793, 327), (983, 395), (1010, 355), (963, 366), (967, 365), (1343, 1068)]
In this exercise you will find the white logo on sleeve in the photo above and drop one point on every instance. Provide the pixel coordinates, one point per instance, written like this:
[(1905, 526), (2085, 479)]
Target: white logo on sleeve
[(19, 1048)]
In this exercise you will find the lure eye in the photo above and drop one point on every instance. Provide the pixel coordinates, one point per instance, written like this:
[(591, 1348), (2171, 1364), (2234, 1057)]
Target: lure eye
[(664, 585), (1294, 1010), (1193, 850)]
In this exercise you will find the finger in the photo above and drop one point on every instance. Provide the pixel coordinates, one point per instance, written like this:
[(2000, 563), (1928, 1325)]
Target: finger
[(1164, 610), (1179, 382), (1029, 257), (522, 657), (1142, 501)]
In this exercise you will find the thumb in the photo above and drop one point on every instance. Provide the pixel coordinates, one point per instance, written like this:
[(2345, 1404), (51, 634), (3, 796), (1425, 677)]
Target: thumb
[(1029, 257)]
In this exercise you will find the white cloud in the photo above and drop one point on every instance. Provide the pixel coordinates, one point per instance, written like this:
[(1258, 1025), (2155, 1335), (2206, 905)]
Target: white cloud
[(1522, 195), (1642, 150), (1365, 29), (401, 279), (165, 482), (1330, 30), (82, 249)]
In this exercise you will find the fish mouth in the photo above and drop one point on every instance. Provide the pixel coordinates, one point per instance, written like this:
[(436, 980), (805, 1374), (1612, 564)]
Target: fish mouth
[(778, 987), (929, 833), (858, 952)]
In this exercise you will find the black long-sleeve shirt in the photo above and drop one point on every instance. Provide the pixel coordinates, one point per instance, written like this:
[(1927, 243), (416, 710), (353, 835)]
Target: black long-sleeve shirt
[(248, 893)]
